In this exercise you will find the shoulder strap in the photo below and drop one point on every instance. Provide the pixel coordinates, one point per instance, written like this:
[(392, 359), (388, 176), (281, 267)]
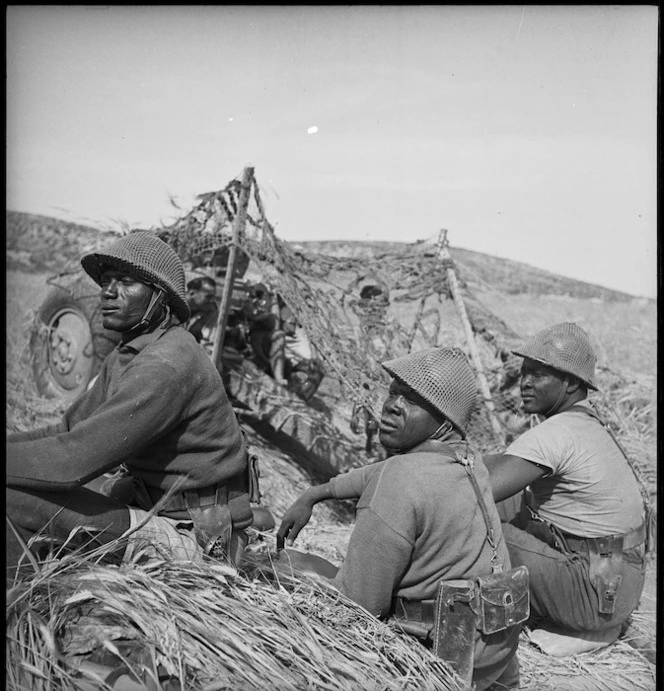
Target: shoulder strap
[(468, 462)]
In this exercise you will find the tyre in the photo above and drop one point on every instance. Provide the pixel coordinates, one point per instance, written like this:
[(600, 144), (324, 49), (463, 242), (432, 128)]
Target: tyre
[(68, 343)]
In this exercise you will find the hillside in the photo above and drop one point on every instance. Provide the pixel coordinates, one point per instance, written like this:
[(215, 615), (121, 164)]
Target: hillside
[(36, 243)]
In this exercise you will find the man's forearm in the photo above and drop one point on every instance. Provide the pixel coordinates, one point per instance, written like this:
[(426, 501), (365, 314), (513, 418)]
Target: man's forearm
[(315, 494)]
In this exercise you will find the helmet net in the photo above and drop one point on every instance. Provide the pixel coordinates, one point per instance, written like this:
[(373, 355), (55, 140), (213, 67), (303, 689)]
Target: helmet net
[(564, 347), (443, 377)]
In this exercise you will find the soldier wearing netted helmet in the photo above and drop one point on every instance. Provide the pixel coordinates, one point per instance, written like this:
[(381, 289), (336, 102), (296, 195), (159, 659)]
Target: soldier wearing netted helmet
[(579, 527), (418, 518), (158, 412)]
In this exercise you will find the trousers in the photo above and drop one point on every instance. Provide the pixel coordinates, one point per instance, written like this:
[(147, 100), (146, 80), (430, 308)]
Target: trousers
[(561, 589)]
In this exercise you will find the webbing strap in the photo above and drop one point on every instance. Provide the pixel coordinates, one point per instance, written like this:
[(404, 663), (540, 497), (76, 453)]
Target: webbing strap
[(468, 462)]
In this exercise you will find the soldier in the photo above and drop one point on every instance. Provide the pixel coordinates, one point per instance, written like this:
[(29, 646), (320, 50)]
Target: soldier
[(159, 408), (424, 517), (201, 293), (580, 528)]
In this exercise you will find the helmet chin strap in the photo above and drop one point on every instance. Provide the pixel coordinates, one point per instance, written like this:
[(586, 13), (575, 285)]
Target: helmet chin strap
[(441, 433), (150, 311), (559, 400)]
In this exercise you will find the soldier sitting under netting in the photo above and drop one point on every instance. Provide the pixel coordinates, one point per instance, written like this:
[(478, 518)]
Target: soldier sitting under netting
[(159, 410), (201, 298), (279, 346), (580, 528), (427, 539)]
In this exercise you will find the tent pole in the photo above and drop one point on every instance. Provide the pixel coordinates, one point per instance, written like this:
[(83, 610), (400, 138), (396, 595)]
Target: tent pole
[(448, 264), (238, 229)]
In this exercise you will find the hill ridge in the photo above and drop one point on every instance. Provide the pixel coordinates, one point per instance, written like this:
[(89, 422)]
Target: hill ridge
[(40, 243), (478, 269)]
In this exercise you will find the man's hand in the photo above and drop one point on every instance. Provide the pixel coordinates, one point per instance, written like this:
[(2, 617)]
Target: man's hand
[(297, 516), (299, 513)]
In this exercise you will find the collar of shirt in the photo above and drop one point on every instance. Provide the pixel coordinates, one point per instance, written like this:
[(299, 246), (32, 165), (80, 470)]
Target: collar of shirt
[(447, 448), (141, 341)]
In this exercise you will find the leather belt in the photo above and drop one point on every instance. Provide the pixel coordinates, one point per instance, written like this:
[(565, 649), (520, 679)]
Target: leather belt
[(415, 617), (630, 540), (422, 611), (213, 494)]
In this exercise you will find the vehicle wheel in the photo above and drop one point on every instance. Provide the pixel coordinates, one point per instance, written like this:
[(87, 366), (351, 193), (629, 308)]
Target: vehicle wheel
[(68, 343)]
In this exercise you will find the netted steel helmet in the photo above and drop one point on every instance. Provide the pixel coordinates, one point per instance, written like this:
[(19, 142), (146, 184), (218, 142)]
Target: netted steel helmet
[(149, 259), (443, 377), (565, 347)]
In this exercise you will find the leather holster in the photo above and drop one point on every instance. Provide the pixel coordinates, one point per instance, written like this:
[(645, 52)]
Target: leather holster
[(455, 626)]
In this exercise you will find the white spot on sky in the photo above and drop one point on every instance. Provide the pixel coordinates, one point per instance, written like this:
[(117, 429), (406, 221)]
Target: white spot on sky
[(312, 130)]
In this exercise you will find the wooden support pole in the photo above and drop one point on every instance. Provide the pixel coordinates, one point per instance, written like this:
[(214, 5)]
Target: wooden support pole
[(238, 229), (448, 263)]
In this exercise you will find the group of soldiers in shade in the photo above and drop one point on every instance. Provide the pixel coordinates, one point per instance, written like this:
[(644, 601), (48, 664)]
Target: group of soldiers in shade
[(459, 550)]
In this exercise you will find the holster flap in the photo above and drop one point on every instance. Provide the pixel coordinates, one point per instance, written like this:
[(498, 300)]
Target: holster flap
[(503, 600)]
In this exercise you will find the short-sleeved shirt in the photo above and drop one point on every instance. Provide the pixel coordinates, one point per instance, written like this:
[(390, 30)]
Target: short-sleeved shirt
[(590, 490)]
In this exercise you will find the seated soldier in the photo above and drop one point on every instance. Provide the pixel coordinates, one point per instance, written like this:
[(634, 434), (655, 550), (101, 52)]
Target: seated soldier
[(580, 526), (423, 516), (303, 371), (280, 347), (201, 293), (159, 409), (265, 335)]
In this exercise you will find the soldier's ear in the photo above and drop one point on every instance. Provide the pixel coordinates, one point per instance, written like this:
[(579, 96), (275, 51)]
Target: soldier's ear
[(573, 384)]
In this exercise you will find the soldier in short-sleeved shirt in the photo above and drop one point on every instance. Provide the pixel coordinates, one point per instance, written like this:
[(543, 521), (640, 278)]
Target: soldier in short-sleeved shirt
[(579, 526)]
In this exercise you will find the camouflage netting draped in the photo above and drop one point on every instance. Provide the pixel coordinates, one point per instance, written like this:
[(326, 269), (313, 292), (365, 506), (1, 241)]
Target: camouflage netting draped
[(357, 314), (361, 310)]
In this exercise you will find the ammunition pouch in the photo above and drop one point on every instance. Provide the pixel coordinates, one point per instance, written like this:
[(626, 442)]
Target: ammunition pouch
[(450, 623), (503, 600)]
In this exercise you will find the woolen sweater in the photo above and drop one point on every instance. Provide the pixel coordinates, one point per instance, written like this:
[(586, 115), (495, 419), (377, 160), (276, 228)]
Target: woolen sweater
[(160, 408), (419, 522)]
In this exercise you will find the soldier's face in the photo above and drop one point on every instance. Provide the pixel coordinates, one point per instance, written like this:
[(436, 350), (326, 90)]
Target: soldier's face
[(123, 300), (406, 420), (540, 387), (199, 297)]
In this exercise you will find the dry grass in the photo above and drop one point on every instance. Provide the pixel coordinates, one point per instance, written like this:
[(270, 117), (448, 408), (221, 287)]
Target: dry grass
[(206, 626)]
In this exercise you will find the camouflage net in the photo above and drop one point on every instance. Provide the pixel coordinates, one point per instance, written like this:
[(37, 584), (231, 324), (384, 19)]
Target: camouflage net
[(356, 313), (361, 310)]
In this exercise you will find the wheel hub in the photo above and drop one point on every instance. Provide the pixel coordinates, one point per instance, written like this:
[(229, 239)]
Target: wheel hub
[(70, 348)]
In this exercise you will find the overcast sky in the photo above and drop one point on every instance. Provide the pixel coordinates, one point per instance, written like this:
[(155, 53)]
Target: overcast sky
[(528, 132)]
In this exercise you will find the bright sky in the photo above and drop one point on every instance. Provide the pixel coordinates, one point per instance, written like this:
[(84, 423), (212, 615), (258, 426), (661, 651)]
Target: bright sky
[(528, 132)]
